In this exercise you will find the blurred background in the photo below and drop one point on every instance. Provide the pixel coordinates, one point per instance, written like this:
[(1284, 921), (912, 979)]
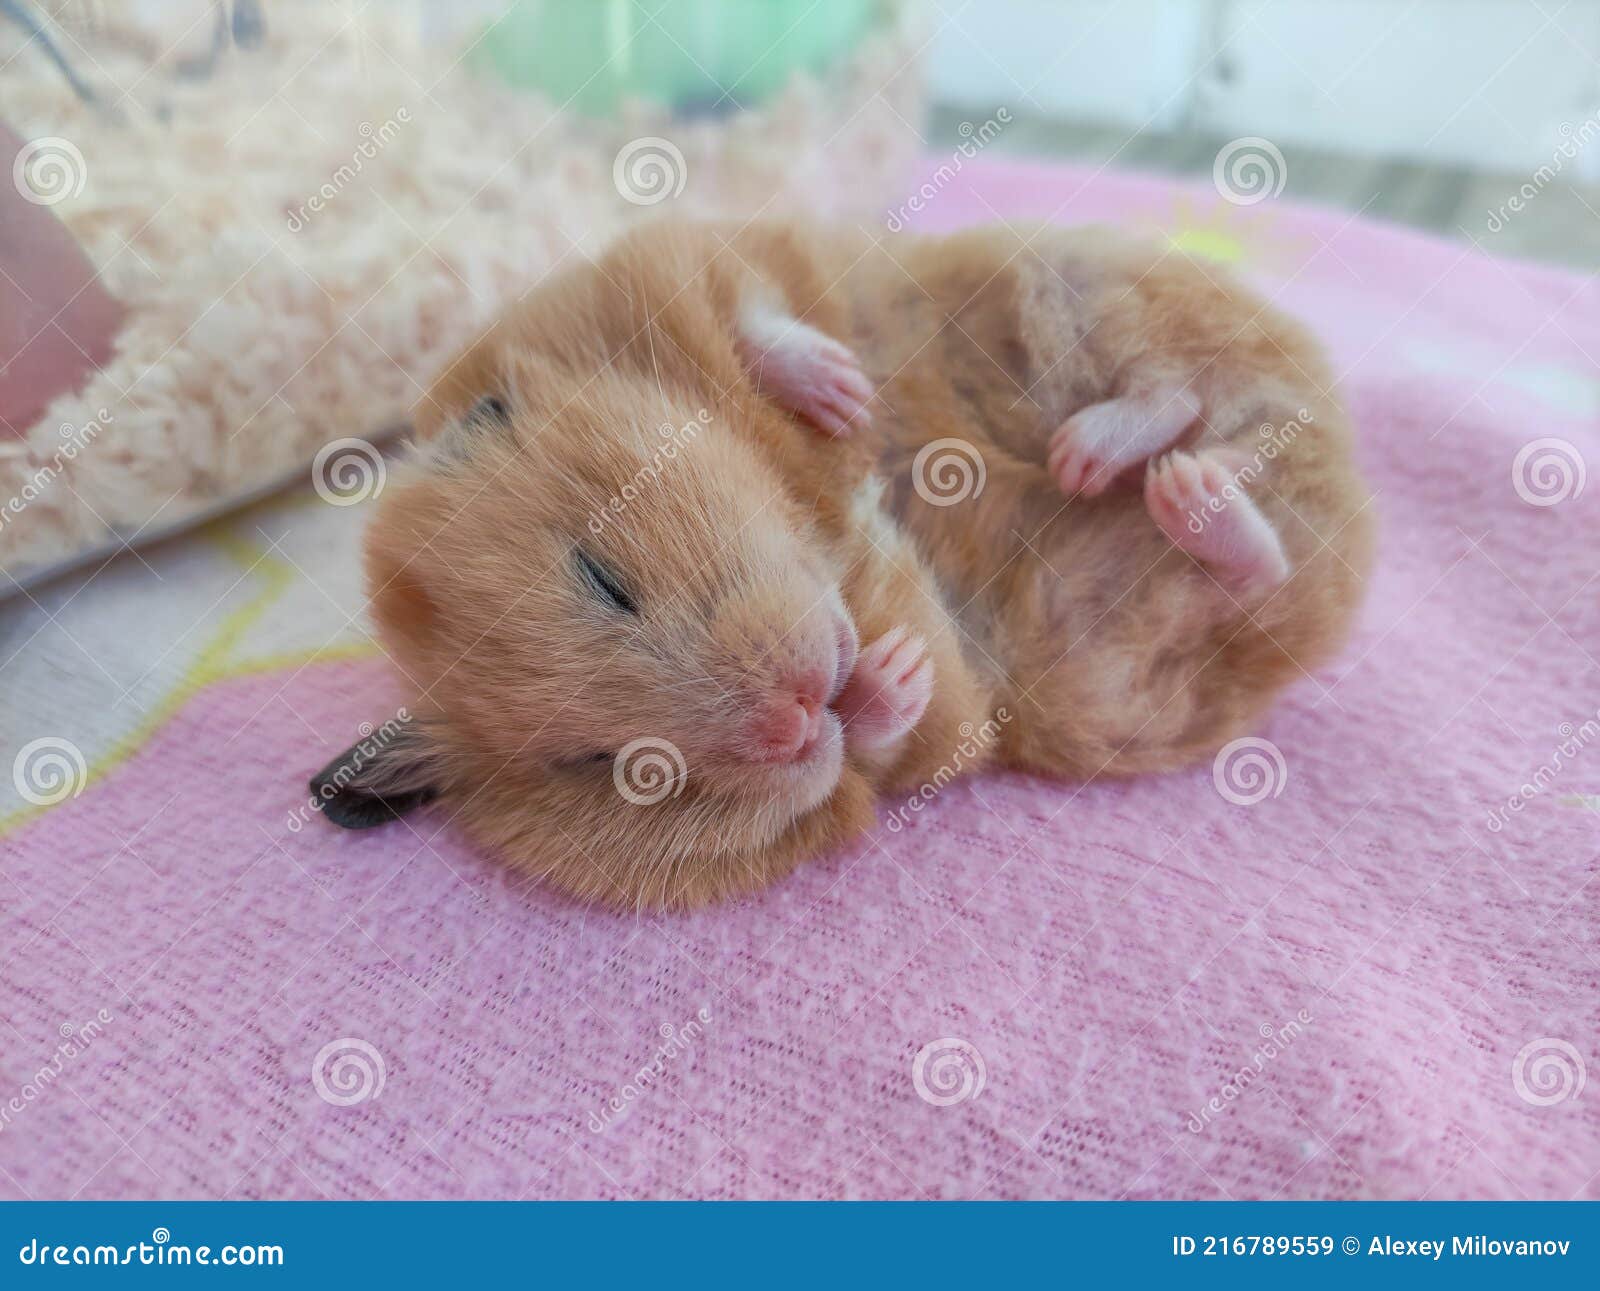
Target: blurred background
[(1427, 112)]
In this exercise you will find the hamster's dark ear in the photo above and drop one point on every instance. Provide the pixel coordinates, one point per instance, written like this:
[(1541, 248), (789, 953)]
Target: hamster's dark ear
[(378, 779), (490, 415), (489, 412)]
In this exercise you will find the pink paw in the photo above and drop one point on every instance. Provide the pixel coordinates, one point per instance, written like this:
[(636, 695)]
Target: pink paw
[(1083, 457), (888, 691), (1199, 503), (807, 371), (1095, 445)]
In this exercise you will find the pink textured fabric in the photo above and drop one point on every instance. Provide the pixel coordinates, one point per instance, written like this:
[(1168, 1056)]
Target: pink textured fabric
[(1114, 955)]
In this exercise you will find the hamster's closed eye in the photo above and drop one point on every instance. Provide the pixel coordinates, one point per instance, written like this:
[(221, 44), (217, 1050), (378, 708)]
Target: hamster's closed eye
[(604, 583), (585, 760)]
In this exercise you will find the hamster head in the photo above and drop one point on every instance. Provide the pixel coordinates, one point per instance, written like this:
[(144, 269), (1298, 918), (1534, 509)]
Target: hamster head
[(601, 597)]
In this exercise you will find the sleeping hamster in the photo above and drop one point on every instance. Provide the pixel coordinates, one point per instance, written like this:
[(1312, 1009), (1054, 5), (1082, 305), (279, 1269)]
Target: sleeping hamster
[(710, 542)]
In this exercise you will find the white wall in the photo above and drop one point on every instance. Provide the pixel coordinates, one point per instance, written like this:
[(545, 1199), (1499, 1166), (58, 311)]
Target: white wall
[(1486, 83)]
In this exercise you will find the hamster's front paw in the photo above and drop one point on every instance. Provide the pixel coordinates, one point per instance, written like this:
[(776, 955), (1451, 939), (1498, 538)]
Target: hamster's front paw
[(888, 691), (806, 371)]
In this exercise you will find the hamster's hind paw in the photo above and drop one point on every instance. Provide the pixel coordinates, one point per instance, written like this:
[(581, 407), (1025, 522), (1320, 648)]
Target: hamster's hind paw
[(1197, 501), (888, 691), (1095, 445), (807, 371)]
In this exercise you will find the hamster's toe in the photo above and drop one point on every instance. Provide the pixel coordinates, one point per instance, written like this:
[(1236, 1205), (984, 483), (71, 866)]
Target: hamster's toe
[(1198, 501), (889, 689)]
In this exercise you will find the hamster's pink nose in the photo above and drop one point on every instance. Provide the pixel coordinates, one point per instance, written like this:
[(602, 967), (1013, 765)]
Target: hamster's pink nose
[(810, 685), (785, 728)]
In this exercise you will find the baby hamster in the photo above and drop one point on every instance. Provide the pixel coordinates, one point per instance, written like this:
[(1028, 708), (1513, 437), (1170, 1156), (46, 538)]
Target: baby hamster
[(709, 542)]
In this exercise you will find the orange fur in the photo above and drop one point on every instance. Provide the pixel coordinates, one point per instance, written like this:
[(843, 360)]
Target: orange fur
[(1074, 625)]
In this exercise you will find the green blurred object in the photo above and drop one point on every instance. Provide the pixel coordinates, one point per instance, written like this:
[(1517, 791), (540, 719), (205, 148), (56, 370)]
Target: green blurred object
[(692, 55)]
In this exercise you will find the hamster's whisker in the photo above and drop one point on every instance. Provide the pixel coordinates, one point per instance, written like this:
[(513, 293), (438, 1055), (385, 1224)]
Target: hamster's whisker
[(691, 681)]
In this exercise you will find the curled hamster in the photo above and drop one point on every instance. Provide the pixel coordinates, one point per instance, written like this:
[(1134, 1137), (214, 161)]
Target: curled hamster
[(711, 541)]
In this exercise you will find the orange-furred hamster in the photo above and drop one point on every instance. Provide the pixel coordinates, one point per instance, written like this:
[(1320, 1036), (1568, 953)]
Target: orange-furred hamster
[(711, 541)]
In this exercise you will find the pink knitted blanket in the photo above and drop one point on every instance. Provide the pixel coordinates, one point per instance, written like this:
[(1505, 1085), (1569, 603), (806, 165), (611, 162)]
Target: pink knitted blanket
[(1356, 959)]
